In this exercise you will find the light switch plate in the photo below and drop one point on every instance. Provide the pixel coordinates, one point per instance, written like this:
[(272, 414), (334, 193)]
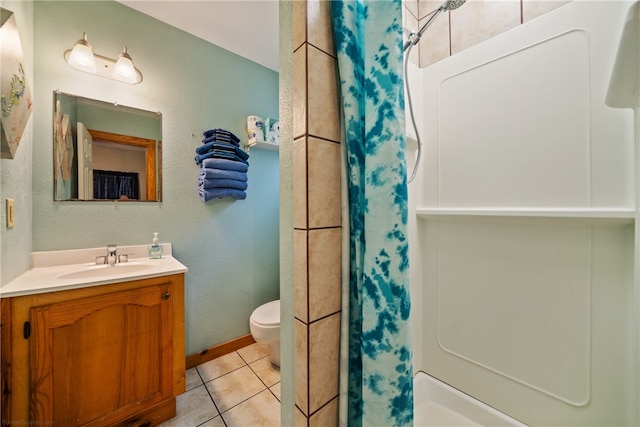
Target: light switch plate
[(11, 213)]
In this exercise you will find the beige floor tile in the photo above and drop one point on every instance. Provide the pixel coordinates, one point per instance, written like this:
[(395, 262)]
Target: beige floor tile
[(275, 389), (193, 379), (193, 408), (222, 365), (253, 352), (216, 422), (261, 410), (268, 373), (235, 387)]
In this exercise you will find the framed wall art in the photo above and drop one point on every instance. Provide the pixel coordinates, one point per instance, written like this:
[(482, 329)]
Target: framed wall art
[(15, 92)]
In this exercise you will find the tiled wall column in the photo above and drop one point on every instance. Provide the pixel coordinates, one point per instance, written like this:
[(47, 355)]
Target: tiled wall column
[(317, 215)]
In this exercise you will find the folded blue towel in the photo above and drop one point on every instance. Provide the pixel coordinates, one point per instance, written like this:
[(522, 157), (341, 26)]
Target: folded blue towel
[(207, 173), (221, 138), (214, 144), (225, 164), (221, 183), (241, 154), (224, 146), (220, 132), (207, 194), (220, 154)]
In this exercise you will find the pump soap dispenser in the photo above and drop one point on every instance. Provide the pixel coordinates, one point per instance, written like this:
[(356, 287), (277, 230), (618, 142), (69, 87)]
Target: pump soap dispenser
[(155, 249)]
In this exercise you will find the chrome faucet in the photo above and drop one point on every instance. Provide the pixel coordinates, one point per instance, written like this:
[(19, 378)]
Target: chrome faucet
[(112, 254), (112, 257)]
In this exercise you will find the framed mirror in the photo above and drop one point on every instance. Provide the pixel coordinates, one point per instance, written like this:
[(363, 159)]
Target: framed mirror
[(105, 151)]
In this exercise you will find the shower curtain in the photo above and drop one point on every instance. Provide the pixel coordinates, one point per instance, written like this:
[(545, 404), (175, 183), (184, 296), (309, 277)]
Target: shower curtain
[(368, 38)]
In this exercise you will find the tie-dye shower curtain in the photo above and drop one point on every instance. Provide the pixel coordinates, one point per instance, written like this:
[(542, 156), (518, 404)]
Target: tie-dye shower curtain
[(368, 38)]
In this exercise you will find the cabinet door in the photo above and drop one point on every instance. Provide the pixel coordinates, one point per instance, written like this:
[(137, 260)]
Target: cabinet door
[(98, 360)]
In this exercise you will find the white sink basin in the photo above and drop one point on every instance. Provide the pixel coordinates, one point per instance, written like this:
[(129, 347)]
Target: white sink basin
[(95, 271), (75, 268)]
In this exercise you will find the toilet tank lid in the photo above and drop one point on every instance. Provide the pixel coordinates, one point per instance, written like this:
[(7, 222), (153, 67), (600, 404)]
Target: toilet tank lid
[(267, 314)]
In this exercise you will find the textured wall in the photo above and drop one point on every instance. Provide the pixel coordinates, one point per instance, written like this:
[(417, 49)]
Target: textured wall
[(15, 174), (286, 213), (230, 247)]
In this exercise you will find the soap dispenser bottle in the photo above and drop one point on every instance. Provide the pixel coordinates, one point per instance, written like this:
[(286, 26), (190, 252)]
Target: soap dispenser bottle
[(155, 248)]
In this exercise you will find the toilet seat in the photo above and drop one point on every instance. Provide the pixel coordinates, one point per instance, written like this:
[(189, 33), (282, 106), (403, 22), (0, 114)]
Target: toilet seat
[(267, 314)]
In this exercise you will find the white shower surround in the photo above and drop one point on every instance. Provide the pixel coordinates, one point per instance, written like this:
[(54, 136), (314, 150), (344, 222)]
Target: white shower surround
[(522, 249)]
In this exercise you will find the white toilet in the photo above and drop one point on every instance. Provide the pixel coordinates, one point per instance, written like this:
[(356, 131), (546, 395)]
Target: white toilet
[(264, 324)]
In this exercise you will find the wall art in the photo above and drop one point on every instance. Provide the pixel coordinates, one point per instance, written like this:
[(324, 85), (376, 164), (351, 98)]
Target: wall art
[(16, 99)]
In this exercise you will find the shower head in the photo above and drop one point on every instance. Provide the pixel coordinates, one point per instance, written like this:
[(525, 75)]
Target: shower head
[(414, 38), (452, 4)]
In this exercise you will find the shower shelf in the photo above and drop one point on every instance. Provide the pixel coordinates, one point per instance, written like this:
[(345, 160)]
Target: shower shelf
[(623, 215), (261, 145), (265, 146)]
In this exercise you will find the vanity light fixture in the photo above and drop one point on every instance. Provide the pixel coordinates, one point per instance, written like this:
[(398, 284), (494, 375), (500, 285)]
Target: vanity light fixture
[(124, 69), (82, 58)]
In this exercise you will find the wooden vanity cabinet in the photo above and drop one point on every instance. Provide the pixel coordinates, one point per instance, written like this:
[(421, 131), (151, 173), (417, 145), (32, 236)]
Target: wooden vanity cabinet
[(98, 356)]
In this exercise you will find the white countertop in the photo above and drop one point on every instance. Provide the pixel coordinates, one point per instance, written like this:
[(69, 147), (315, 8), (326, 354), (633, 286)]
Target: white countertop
[(71, 269)]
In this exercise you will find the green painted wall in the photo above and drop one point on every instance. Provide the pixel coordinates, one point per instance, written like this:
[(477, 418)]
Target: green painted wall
[(15, 174), (287, 338), (230, 247)]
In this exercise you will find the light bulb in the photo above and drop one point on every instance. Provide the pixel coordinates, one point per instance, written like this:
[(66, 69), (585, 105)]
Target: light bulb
[(81, 56), (124, 69)]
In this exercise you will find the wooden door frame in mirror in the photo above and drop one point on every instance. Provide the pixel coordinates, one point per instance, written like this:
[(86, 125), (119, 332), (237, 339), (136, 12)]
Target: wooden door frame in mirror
[(149, 146)]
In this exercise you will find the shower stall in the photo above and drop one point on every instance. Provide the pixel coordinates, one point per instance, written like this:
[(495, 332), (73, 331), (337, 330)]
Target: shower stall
[(524, 250)]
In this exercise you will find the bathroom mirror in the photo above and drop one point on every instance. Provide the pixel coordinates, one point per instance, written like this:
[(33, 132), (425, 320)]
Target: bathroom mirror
[(105, 151)]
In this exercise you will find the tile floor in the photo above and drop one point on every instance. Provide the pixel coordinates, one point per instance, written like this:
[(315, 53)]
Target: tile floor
[(238, 389)]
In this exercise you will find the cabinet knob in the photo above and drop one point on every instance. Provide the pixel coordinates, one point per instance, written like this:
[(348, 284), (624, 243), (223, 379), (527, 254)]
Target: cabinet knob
[(165, 296)]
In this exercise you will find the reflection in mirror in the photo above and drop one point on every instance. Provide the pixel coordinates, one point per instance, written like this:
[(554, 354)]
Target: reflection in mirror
[(105, 151)]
